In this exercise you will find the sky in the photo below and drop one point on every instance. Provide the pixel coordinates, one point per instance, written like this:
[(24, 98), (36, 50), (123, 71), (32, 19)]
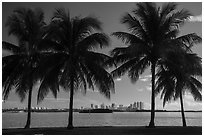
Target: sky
[(109, 14)]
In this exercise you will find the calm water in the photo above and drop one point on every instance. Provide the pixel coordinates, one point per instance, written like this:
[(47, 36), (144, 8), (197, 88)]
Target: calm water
[(102, 119)]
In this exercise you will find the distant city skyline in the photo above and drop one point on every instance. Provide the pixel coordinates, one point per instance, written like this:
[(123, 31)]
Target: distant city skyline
[(125, 92), (137, 105)]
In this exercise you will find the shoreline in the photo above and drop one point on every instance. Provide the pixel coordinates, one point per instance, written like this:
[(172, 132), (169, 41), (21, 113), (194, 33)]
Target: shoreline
[(114, 111), (107, 130)]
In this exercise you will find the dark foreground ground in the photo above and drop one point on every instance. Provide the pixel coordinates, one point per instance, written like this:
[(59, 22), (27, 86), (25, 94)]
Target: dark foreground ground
[(117, 130)]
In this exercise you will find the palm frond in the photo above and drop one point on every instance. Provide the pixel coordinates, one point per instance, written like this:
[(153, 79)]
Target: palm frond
[(102, 79), (167, 8), (50, 72), (82, 79), (16, 27), (174, 20), (88, 24), (148, 15), (168, 91), (127, 38), (49, 45), (196, 83), (49, 81), (138, 68), (95, 57), (118, 51), (193, 64), (124, 68), (11, 47), (23, 83), (93, 41), (178, 18), (134, 26), (11, 77), (9, 65), (162, 80), (118, 60), (39, 16), (68, 75), (88, 75), (195, 91), (171, 34), (59, 32), (61, 14), (190, 39)]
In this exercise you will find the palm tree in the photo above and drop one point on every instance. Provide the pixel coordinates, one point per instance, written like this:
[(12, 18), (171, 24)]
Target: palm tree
[(177, 75), (73, 64), (19, 67), (153, 31)]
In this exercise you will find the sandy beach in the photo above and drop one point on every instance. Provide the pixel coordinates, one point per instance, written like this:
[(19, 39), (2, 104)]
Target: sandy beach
[(107, 130)]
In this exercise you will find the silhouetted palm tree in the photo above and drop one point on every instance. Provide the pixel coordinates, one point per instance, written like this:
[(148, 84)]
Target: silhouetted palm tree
[(18, 69), (73, 63), (152, 34), (177, 75)]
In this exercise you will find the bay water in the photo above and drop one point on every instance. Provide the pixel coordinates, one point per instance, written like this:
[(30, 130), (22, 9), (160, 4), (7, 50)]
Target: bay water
[(60, 119)]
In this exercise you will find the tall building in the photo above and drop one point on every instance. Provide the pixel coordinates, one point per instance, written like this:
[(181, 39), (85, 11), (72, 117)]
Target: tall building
[(141, 105), (138, 105), (131, 106), (113, 105), (102, 106), (92, 106), (135, 105)]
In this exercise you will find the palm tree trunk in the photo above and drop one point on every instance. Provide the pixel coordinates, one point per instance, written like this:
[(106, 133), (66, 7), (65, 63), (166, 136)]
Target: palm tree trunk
[(29, 108), (151, 124), (70, 125), (182, 111)]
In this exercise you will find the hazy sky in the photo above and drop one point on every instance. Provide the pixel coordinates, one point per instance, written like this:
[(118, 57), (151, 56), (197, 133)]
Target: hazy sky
[(109, 14)]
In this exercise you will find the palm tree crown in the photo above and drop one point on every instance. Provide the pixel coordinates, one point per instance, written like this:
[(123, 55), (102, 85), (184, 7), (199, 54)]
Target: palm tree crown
[(72, 43), (178, 74), (27, 25)]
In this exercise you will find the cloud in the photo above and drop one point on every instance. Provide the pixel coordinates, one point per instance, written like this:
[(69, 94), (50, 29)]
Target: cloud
[(188, 97), (148, 76), (118, 79), (145, 78), (195, 18), (192, 103), (189, 101), (149, 88), (175, 103)]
